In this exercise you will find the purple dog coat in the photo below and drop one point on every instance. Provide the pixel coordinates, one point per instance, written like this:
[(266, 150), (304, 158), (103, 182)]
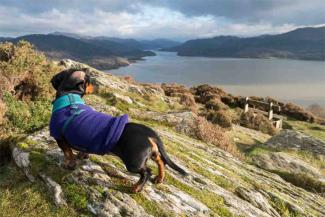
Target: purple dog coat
[(90, 131)]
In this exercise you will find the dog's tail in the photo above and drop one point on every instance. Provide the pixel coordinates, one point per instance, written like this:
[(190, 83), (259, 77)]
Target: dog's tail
[(157, 141)]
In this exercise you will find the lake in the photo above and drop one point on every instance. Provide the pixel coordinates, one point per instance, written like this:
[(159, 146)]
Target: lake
[(301, 82)]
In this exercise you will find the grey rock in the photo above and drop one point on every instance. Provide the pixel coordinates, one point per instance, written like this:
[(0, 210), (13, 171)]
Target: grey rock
[(257, 199), (295, 140), (284, 162), (56, 189)]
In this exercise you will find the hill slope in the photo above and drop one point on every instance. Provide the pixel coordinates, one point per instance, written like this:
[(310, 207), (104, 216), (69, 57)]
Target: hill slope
[(100, 53), (138, 44), (218, 184), (304, 43), (233, 170)]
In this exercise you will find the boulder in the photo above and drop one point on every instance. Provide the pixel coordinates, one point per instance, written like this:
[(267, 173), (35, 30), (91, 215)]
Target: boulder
[(290, 139), (280, 161)]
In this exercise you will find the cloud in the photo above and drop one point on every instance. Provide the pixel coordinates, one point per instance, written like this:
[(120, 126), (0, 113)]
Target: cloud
[(152, 19)]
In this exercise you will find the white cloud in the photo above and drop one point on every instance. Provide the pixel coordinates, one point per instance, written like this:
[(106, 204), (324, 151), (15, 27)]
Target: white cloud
[(143, 21)]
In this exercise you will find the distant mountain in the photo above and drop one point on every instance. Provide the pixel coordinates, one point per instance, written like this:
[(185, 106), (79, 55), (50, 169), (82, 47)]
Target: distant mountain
[(137, 44), (158, 44), (304, 43), (100, 53), (4, 38)]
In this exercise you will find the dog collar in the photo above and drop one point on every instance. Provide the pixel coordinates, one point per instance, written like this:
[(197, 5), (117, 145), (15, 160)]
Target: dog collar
[(67, 100)]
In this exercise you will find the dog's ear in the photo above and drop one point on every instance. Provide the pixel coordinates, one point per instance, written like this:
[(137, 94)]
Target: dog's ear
[(57, 79)]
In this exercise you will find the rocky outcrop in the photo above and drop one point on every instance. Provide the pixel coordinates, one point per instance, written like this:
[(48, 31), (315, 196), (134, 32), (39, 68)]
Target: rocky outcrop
[(290, 139), (218, 184), (280, 161)]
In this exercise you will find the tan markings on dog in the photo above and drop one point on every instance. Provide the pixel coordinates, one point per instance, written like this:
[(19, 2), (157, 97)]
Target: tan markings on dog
[(136, 187), (89, 89), (69, 159), (157, 158), (78, 75)]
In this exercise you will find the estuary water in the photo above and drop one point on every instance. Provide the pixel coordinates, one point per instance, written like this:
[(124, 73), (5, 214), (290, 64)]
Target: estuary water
[(301, 82)]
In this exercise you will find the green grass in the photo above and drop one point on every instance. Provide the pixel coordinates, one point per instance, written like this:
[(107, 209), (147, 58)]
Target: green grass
[(195, 162), (23, 198), (150, 206), (211, 200), (303, 180), (282, 208), (311, 129), (317, 161)]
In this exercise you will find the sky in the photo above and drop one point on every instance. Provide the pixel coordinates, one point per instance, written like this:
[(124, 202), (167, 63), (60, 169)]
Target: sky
[(148, 19)]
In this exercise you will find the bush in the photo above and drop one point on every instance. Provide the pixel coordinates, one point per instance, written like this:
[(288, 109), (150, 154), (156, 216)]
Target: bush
[(186, 98), (298, 113), (27, 72), (213, 134), (27, 116), (257, 122), (25, 88), (222, 118), (215, 104), (204, 93)]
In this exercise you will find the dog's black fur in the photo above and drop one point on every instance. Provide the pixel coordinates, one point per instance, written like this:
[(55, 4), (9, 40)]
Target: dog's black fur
[(137, 144)]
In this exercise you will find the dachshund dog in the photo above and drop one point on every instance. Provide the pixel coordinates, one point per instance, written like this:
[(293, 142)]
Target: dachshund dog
[(77, 126)]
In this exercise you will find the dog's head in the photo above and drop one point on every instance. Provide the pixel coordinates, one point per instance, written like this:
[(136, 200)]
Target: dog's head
[(72, 81)]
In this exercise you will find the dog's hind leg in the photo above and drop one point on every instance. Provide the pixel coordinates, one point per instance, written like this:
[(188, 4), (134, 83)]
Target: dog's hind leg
[(157, 158), (69, 159), (161, 169), (145, 174)]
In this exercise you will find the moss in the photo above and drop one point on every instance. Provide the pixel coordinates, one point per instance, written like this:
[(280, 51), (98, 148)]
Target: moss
[(40, 164), (76, 196), (23, 145), (38, 161), (211, 200)]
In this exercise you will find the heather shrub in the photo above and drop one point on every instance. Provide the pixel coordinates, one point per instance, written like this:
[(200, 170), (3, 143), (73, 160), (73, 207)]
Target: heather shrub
[(186, 98), (2, 111), (204, 93), (222, 118), (298, 113), (27, 116), (215, 104), (27, 71), (25, 88), (317, 110), (257, 122), (214, 134)]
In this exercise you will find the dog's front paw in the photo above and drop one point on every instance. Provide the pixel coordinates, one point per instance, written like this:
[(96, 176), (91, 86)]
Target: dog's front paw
[(82, 155), (136, 188), (70, 165)]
